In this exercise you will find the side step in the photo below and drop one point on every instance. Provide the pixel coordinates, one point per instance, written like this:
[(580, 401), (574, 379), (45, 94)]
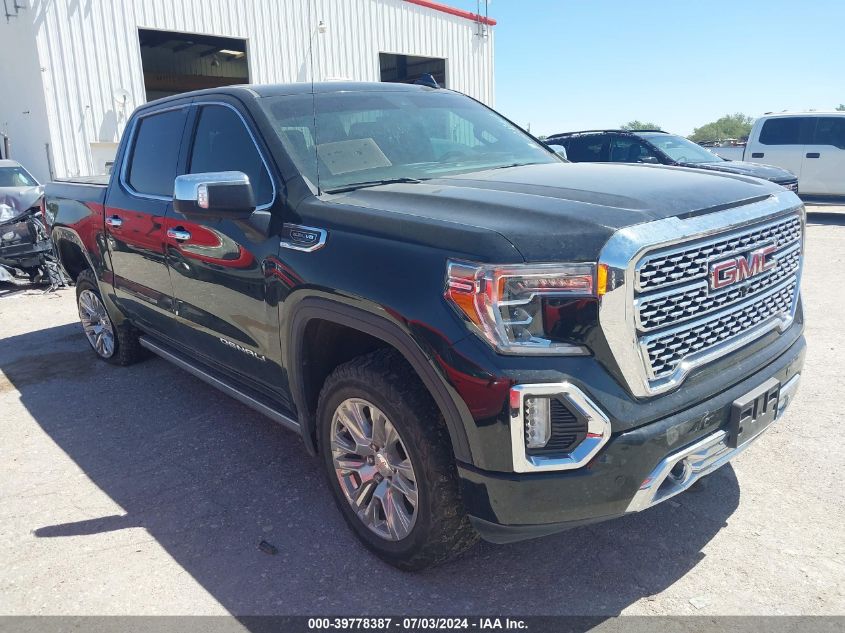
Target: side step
[(206, 375)]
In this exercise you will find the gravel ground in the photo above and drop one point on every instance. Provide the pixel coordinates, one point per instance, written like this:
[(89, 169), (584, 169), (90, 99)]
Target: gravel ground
[(141, 490)]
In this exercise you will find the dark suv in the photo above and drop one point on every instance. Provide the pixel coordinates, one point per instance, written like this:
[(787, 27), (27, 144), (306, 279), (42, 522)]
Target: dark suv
[(659, 148), (475, 336)]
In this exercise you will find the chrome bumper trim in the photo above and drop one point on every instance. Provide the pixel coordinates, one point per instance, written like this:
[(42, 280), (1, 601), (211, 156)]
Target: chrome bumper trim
[(698, 460), (598, 428)]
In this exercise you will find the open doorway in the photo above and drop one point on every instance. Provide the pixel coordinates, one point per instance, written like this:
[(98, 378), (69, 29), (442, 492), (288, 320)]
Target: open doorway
[(406, 69), (179, 62)]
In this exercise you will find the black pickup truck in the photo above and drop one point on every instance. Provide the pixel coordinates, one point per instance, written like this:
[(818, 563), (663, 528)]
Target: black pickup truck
[(475, 336)]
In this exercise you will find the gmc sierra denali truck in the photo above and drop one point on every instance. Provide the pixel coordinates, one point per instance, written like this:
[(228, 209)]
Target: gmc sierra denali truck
[(475, 336)]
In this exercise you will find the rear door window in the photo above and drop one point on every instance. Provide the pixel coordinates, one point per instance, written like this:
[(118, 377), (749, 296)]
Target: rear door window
[(830, 131), (223, 143), (784, 131), (588, 149), (155, 153)]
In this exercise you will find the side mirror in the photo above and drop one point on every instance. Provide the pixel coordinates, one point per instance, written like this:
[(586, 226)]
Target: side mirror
[(651, 160), (560, 150), (219, 194)]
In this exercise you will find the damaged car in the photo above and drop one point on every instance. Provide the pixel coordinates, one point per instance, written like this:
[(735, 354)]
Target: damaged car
[(25, 246)]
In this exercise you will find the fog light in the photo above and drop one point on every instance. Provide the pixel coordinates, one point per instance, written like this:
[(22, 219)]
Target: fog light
[(538, 427)]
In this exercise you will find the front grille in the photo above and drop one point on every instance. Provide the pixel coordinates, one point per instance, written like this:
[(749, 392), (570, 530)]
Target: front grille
[(655, 311), (677, 315), (683, 264), (568, 431)]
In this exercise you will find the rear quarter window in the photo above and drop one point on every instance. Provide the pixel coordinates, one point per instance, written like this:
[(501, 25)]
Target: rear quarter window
[(155, 153)]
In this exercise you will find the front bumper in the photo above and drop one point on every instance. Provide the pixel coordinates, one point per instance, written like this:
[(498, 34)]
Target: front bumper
[(636, 469)]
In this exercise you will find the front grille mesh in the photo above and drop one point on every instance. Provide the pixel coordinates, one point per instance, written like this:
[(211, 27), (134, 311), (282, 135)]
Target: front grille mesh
[(655, 312), (665, 352), (677, 315), (662, 270)]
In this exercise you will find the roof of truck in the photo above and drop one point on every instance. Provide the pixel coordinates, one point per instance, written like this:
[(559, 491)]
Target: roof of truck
[(806, 113), (274, 90)]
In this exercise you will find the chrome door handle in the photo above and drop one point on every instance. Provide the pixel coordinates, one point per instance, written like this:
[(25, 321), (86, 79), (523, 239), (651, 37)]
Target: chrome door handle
[(179, 234), (114, 221)]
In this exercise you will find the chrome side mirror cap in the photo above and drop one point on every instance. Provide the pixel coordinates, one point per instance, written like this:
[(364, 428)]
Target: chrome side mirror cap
[(223, 194)]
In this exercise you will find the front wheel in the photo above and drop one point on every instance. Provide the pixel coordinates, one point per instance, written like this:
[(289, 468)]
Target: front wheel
[(390, 464)]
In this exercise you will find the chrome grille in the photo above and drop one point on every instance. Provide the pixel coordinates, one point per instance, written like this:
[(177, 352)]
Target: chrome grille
[(677, 316), (666, 351), (683, 264), (655, 311)]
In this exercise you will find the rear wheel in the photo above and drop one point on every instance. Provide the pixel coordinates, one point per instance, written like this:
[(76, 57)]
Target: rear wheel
[(114, 344), (390, 464)]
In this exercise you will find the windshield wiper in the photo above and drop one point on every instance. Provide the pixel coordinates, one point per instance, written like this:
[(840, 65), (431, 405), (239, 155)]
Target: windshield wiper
[(513, 165), (373, 183)]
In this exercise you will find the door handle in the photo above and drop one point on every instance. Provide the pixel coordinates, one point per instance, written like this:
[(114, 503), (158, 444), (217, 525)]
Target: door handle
[(757, 154), (114, 221), (179, 234), (813, 155)]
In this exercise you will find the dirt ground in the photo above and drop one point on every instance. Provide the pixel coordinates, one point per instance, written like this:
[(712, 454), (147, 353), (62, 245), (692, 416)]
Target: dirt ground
[(141, 490)]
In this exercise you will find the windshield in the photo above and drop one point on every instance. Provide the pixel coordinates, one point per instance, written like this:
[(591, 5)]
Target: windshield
[(363, 138), (16, 177), (680, 149)]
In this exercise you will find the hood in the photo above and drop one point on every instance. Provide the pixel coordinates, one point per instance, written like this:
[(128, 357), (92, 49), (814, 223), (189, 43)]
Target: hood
[(561, 211), (768, 172), (19, 199)]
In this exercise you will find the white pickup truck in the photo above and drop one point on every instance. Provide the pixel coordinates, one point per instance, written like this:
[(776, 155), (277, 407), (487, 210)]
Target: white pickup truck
[(809, 144)]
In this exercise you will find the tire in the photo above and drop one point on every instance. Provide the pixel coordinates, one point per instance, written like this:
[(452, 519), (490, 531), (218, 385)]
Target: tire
[(440, 528), (124, 347)]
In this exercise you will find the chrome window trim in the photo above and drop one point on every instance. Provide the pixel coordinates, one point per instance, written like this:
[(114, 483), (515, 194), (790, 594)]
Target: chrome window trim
[(625, 248), (598, 428), (200, 104), (130, 149)]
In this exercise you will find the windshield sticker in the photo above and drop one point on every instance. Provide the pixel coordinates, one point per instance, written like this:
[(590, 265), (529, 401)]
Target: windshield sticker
[(343, 157)]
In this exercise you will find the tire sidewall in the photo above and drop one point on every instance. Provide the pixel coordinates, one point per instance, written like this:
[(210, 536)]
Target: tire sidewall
[(403, 421)]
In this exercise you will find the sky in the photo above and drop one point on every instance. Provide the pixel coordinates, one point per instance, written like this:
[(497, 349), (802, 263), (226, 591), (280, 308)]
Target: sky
[(565, 65)]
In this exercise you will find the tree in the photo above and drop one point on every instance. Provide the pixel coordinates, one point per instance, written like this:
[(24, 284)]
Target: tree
[(841, 107), (729, 126), (640, 125)]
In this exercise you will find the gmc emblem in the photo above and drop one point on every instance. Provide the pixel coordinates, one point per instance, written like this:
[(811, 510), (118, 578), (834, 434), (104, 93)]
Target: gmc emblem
[(736, 269)]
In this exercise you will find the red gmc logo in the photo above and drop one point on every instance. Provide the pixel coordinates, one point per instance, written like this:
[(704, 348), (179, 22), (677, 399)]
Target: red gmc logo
[(736, 269)]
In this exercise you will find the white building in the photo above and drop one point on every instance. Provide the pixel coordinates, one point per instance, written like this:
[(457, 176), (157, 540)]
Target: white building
[(72, 71)]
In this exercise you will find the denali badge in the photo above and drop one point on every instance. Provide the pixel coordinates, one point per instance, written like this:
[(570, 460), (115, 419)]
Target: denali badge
[(736, 269), (240, 348)]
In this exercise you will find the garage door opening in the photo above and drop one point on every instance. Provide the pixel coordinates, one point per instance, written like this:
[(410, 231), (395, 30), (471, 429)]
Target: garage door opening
[(180, 62), (406, 69)]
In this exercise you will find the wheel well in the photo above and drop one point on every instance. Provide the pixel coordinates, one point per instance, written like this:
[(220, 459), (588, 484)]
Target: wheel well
[(72, 258), (327, 346)]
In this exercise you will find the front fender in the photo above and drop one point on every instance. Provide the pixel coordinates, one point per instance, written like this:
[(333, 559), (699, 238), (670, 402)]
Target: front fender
[(418, 345)]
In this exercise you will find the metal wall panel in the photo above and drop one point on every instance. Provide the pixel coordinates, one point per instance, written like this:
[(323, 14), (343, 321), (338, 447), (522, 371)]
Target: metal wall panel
[(89, 52)]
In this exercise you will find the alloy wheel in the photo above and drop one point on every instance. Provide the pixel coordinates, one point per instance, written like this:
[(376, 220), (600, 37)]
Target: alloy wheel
[(96, 323), (374, 469)]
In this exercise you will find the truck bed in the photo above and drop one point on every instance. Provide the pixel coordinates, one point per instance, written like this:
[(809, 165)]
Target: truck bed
[(82, 189)]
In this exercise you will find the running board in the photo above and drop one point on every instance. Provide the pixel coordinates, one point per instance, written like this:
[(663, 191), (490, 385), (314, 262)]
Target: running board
[(218, 383)]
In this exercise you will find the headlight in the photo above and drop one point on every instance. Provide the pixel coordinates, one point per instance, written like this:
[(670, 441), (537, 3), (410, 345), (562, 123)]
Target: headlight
[(513, 306)]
